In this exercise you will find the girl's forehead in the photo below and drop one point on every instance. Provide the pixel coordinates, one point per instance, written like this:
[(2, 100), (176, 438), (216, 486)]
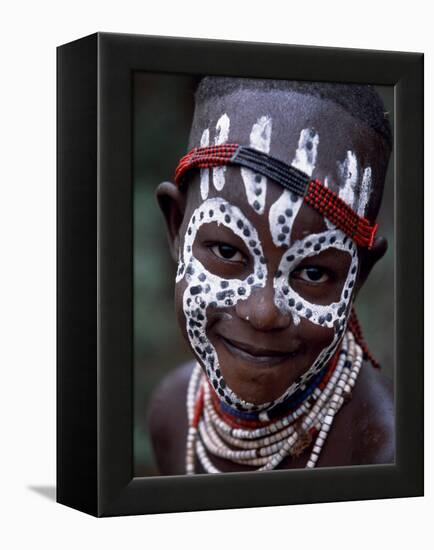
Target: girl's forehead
[(288, 112)]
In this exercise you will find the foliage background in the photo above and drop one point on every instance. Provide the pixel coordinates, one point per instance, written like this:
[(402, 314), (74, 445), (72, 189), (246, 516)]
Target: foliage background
[(163, 106)]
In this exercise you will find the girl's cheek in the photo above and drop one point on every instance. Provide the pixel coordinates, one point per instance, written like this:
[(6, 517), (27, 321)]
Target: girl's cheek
[(180, 315), (316, 337)]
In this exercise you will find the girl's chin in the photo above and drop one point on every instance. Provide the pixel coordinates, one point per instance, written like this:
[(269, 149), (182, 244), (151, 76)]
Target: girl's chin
[(255, 379)]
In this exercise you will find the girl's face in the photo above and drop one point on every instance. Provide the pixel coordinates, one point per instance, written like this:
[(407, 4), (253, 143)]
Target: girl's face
[(264, 283), (260, 313)]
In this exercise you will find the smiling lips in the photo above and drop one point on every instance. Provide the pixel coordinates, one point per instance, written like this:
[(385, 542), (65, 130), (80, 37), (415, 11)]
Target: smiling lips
[(256, 354)]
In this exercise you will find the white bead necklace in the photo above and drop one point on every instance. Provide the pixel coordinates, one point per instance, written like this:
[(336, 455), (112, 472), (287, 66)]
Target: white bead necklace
[(265, 447)]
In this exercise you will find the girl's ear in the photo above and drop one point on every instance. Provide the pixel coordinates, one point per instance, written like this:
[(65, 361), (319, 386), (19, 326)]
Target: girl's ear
[(172, 205), (368, 258)]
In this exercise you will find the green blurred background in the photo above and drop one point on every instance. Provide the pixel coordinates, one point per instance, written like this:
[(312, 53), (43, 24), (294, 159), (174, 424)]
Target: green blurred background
[(163, 108)]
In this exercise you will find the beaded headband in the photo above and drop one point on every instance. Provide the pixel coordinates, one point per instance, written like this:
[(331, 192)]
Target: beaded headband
[(314, 192)]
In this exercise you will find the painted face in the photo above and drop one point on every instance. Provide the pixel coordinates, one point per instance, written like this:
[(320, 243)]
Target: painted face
[(266, 284)]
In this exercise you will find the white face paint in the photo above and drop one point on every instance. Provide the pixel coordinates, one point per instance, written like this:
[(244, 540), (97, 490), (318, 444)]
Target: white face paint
[(348, 172), (284, 211), (256, 184), (222, 134), (207, 290), (333, 315), (282, 216), (286, 298), (365, 191), (204, 173), (307, 151)]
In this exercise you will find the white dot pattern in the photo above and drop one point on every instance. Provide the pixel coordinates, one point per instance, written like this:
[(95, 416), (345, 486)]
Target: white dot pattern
[(205, 289), (254, 183)]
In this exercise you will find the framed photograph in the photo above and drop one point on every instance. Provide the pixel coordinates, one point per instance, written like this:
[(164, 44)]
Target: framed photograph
[(240, 274)]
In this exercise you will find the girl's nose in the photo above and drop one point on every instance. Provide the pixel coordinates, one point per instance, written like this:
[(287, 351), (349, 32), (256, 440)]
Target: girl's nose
[(261, 312)]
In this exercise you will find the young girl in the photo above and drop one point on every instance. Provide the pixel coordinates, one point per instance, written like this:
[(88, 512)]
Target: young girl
[(272, 221)]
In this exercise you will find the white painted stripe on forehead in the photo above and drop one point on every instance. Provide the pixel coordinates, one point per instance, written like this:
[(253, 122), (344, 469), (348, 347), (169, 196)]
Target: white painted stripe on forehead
[(260, 136), (222, 135), (284, 211), (307, 151), (348, 171), (254, 183), (204, 173), (365, 191), (222, 129), (281, 217)]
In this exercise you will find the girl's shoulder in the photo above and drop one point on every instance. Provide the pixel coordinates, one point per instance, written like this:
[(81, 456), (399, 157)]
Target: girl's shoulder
[(373, 418), (167, 420)]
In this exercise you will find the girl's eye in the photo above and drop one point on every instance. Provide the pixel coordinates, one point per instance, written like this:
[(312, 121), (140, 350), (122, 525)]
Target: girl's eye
[(311, 274), (227, 252)]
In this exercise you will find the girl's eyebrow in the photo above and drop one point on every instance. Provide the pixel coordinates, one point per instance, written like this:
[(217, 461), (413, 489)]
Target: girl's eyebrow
[(221, 231)]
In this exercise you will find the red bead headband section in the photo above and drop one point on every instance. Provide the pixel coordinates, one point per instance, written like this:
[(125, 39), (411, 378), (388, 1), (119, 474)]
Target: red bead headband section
[(314, 192)]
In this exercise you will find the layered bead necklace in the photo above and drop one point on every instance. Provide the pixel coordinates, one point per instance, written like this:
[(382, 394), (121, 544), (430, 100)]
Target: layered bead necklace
[(265, 443)]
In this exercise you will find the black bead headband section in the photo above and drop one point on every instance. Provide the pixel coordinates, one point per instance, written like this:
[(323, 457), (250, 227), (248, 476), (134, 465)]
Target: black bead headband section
[(286, 175)]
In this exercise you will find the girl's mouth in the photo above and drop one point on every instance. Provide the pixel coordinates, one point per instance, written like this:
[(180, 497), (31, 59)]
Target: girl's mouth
[(258, 355)]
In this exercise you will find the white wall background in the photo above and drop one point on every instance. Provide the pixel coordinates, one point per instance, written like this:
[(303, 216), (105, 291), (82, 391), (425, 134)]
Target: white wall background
[(30, 31)]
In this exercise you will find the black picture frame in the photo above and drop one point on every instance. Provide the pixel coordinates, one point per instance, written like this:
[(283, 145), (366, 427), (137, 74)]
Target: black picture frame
[(95, 274)]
